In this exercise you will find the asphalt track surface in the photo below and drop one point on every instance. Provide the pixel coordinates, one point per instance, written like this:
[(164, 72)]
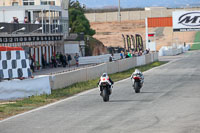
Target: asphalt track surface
[(169, 102)]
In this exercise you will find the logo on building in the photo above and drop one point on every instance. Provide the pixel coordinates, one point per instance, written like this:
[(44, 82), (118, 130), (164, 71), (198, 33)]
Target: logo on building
[(186, 21), (190, 19)]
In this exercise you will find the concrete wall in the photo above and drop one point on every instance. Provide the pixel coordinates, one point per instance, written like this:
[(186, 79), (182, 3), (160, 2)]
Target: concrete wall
[(96, 71), (113, 67), (65, 79), (14, 89), (155, 56), (97, 59), (148, 58), (126, 64), (20, 2), (131, 15), (141, 60), (24, 88), (171, 51)]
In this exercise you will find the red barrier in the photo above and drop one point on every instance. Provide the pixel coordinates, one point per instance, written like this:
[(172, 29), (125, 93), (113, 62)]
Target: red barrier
[(2, 48), (160, 22)]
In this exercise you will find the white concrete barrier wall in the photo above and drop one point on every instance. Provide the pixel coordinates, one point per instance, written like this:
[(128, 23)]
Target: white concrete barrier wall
[(148, 58), (131, 15), (132, 62), (14, 89), (68, 78), (23, 88), (152, 57), (96, 71), (97, 59), (169, 51), (155, 57), (65, 79), (113, 67), (141, 60), (94, 59), (126, 64)]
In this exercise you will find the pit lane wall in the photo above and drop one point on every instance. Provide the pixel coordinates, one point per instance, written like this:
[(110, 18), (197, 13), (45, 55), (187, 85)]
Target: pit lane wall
[(68, 78)]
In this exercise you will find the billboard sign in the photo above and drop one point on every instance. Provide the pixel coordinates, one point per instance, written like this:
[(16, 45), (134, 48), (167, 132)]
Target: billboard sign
[(186, 21)]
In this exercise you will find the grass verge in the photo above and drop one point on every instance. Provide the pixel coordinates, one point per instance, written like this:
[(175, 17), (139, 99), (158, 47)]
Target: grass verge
[(196, 45), (10, 108)]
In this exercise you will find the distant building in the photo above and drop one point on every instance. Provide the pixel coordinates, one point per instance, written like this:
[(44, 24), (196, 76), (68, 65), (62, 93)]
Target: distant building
[(155, 8), (30, 2), (41, 27)]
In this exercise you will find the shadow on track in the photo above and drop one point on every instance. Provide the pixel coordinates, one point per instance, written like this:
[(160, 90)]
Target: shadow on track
[(116, 101), (151, 92)]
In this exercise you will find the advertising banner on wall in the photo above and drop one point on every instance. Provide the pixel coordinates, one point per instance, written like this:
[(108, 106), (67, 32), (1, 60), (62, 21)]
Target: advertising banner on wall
[(186, 21)]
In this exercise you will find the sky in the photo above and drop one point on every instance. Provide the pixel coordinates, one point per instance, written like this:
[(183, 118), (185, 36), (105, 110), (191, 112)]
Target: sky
[(139, 3)]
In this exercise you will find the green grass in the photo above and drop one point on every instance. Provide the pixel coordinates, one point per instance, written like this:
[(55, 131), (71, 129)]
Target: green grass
[(15, 107), (196, 45)]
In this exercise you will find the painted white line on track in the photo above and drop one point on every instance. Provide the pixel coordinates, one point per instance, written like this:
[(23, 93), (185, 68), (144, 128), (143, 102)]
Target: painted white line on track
[(77, 95)]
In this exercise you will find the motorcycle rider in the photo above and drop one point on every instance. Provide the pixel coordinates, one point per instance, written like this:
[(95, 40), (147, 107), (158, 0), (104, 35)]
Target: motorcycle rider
[(105, 75), (138, 72)]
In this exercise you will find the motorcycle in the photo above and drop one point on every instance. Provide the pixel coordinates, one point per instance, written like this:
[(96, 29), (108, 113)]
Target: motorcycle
[(105, 87), (138, 80)]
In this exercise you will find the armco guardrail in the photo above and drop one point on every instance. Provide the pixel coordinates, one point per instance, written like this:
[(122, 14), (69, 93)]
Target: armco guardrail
[(68, 78)]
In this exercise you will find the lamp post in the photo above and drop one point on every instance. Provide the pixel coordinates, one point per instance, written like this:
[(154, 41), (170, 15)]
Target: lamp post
[(37, 30), (2, 27), (119, 14), (22, 29), (55, 29)]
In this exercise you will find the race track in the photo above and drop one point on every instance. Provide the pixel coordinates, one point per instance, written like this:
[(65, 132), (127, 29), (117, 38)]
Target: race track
[(169, 102)]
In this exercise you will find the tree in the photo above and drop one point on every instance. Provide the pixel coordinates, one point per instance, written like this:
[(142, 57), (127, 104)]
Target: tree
[(77, 20)]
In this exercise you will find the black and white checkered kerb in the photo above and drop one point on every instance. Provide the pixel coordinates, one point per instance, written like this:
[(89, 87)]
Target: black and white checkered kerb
[(14, 64)]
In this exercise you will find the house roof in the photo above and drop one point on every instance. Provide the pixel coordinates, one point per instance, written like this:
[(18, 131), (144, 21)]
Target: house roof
[(34, 8)]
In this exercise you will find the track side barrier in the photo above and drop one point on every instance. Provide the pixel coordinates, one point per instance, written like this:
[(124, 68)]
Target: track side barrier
[(68, 78), (171, 51), (95, 71), (16, 88), (141, 60), (62, 80)]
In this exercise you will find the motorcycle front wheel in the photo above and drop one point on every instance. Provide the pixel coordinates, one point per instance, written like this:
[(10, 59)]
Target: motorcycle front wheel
[(105, 95)]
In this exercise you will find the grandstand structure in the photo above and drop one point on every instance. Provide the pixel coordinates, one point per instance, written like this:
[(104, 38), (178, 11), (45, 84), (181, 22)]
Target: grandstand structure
[(40, 27)]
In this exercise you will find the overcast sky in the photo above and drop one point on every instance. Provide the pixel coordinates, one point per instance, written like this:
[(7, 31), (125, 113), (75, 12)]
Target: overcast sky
[(138, 3)]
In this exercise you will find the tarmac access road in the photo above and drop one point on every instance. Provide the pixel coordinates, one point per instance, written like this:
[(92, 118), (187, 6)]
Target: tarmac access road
[(169, 102)]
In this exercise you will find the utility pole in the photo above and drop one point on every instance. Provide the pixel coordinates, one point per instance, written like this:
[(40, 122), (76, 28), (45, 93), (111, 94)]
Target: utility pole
[(119, 14)]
